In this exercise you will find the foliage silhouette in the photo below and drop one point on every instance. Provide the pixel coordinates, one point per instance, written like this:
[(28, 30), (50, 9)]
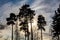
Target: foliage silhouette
[(11, 20), (56, 24), (41, 22), (28, 14), (24, 27)]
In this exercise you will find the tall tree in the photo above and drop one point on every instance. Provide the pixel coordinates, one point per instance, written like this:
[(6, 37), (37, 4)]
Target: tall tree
[(27, 14), (56, 24), (18, 18), (41, 23), (24, 27), (24, 11), (30, 16), (16, 31), (11, 20)]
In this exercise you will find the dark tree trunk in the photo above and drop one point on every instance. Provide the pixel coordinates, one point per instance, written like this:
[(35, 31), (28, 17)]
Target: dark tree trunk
[(31, 31), (12, 32), (25, 35), (41, 35), (58, 37), (27, 29), (28, 34), (16, 31), (28, 37)]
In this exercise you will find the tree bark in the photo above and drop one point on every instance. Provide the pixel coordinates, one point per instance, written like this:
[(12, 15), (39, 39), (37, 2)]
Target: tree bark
[(58, 37), (16, 32), (28, 35), (25, 35), (27, 29), (31, 31), (12, 32), (41, 35)]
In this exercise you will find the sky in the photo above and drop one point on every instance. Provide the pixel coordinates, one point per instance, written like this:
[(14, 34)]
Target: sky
[(41, 7)]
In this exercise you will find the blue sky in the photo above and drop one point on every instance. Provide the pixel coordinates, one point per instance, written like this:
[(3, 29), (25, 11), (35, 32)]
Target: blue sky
[(44, 7), (2, 2)]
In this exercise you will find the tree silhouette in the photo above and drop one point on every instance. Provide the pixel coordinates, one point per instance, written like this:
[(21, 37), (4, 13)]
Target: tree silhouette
[(16, 31), (25, 10), (30, 15), (24, 27), (56, 24), (27, 15), (18, 18), (41, 23), (11, 20)]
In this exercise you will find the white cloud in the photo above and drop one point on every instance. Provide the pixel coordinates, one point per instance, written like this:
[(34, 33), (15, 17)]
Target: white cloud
[(8, 8), (46, 8), (5, 10), (36, 3), (40, 7)]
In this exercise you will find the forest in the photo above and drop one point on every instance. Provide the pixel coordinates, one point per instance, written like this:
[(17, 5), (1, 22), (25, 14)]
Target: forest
[(23, 22)]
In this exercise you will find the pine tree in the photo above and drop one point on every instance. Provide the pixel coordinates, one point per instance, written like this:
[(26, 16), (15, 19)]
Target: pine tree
[(56, 24), (41, 23), (28, 15), (11, 20)]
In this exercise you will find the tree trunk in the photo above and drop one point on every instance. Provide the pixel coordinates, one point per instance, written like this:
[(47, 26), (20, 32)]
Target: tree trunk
[(25, 35), (31, 31), (28, 35), (58, 37), (27, 29), (17, 33), (12, 32), (41, 35)]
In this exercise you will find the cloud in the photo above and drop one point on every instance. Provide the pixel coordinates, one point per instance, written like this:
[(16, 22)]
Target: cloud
[(5, 10), (44, 7), (8, 8), (36, 3)]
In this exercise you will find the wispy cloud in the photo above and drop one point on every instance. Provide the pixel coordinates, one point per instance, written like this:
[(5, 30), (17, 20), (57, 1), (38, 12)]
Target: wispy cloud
[(44, 7), (9, 7)]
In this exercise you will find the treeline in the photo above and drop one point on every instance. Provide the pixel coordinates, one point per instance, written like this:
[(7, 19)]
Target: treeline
[(25, 16)]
